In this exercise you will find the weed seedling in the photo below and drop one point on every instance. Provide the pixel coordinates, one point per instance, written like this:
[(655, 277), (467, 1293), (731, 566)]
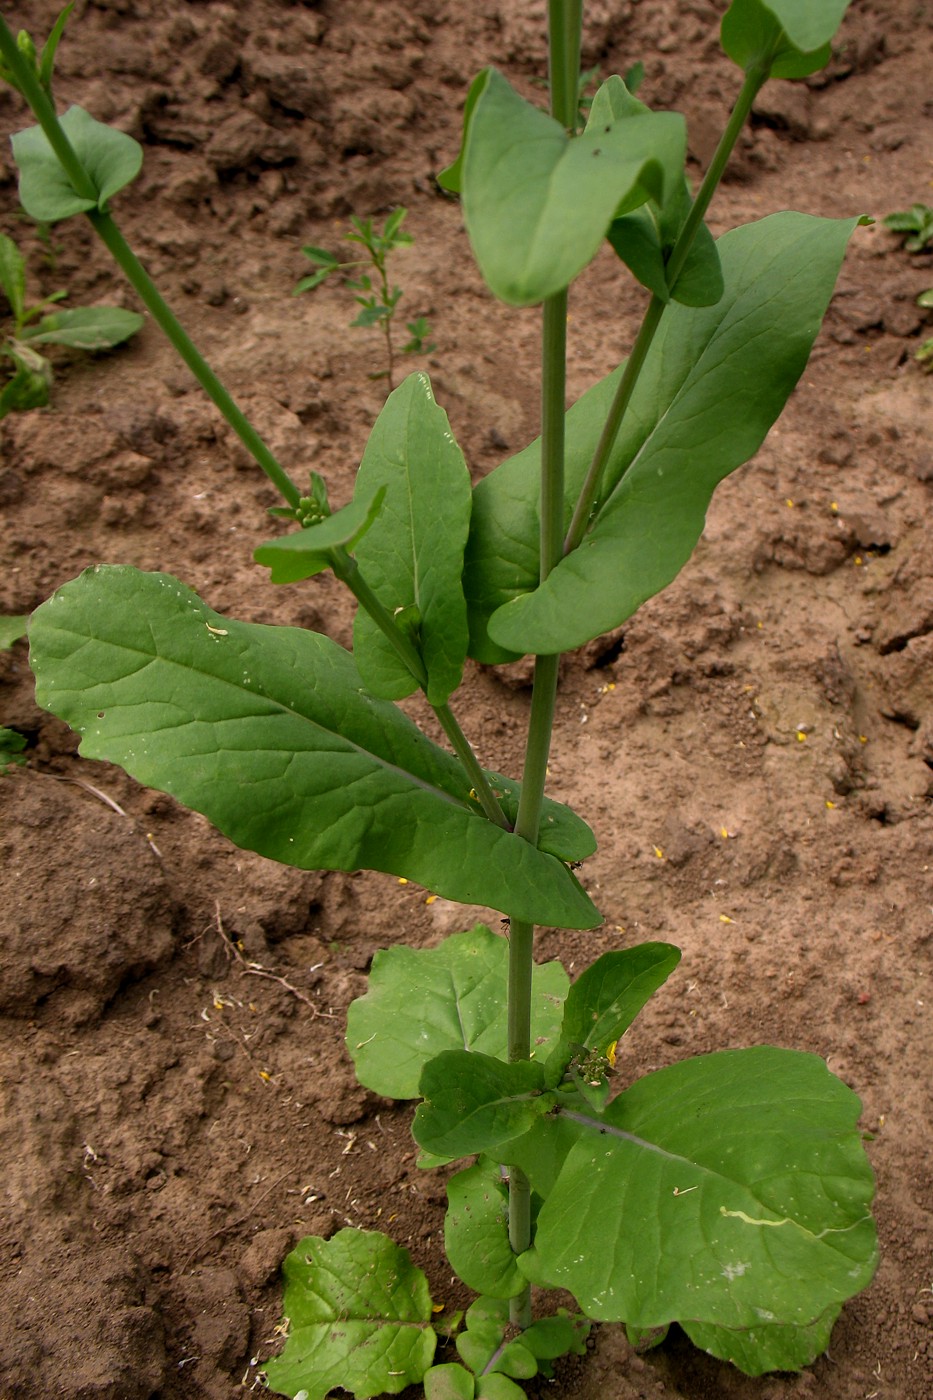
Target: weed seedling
[(916, 223), (729, 1192), (373, 293), (29, 377)]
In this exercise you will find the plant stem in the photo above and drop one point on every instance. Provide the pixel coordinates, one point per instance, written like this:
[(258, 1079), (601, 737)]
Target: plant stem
[(133, 269), (564, 29), (589, 493), (168, 322), (348, 571)]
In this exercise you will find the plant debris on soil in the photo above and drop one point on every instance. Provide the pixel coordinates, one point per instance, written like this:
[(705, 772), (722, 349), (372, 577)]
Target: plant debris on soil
[(754, 749)]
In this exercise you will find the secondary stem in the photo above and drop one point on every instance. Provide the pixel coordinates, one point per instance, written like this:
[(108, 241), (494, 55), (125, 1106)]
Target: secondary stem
[(589, 493)]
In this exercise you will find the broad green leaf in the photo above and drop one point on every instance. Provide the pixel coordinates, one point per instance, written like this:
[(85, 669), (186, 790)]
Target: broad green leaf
[(267, 732), (448, 1382), (110, 158), (293, 558), (459, 988), (412, 556), (11, 629), (85, 328), (713, 382), (786, 38), (537, 203), (473, 1102), (562, 1334), (360, 1318), (768, 1347), (13, 276), (476, 1231), (732, 1189)]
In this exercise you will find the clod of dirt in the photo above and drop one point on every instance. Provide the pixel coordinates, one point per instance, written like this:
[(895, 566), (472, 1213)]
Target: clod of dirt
[(97, 1297), (105, 920)]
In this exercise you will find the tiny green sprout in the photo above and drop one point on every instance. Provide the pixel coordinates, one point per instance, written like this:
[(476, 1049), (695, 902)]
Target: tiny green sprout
[(374, 294), (917, 224), (29, 373)]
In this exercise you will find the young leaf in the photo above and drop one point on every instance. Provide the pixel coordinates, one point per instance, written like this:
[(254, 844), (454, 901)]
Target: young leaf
[(451, 178), (788, 38), (744, 1196), (29, 387), (481, 1345), (606, 998), (209, 709), (110, 157), (537, 203), (11, 629), (85, 328), (476, 1231), (458, 990), (768, 1346), (13, 277), (473, 1102), (360, 1318), (695, 416), (413, 554), (448, 1382), (293, 558)]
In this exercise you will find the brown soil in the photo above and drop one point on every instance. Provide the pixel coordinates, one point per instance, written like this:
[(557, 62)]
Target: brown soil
[(754, 753)]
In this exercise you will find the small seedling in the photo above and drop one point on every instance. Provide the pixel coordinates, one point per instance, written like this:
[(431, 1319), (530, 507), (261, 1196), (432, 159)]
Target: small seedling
[(729, 1192), (917, 224), (84, 328), (375, 296), (12, 743)]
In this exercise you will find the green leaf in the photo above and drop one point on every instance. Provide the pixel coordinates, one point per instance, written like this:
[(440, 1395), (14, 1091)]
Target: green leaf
[(85, 328), (496, 1387), (29, 387), (451, 178), (11, 629), (562, 1334), (606, 998), (713, 382), (459, 989), (787, 38), (481, 1346), (768, 1347), (267, 732), (645, 239), (476, 1231), (537, 203), (49, 48), (732, 1189), (13, 277), (359, 1314), (413, 554), (293, 558), (111, 160), (473, 1102), (11, 748), (448, 1382)]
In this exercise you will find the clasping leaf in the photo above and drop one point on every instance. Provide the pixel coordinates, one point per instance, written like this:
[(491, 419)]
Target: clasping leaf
[(786, 38), (110, 158), (537, 203)]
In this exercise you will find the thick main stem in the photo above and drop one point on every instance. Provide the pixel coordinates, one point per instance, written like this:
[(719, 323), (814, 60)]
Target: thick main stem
[(564, 27)]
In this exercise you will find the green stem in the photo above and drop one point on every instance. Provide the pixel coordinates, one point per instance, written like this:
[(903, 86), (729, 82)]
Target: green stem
[(126, 259), (168, 322), (564, 29), (589, 493), (464, 751)]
